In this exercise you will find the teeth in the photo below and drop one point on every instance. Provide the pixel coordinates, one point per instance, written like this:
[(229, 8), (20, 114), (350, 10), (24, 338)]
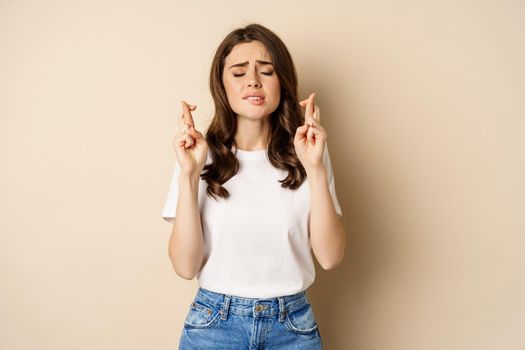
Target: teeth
[(255, 98)]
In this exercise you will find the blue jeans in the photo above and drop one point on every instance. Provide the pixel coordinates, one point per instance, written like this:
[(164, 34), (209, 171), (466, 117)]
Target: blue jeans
[(221, 321)]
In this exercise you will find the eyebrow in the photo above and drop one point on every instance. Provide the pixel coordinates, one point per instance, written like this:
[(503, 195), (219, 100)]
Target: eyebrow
[(245, 63)]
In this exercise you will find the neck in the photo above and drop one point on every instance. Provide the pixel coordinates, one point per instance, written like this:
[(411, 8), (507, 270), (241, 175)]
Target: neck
[(252, 135)]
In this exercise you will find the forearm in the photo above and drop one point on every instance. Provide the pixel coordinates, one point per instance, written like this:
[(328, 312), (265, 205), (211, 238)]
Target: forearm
[(326, 232), (186, 245)]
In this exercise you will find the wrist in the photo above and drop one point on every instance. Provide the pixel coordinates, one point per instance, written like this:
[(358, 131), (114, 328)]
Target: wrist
[(317, 173), (189, 178)]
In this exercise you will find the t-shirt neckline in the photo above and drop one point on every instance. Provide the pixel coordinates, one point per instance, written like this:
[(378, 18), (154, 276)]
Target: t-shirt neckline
[(250, 155)]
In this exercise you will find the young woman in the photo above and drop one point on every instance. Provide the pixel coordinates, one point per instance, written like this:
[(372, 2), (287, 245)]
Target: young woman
[(249, 201)]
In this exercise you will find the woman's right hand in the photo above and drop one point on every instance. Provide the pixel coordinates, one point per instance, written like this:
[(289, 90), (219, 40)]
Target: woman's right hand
[(190, 145)]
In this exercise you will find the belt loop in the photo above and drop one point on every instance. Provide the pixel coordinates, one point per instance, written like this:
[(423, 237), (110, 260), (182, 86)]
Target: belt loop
[(225, 307), (282, 311)]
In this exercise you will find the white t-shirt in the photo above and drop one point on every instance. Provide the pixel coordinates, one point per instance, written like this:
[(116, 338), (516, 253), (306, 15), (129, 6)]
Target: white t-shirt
[(257, 241)]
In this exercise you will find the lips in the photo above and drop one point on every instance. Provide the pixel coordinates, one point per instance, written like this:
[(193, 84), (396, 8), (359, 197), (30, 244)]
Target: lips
[(256, 101), (254, 97)]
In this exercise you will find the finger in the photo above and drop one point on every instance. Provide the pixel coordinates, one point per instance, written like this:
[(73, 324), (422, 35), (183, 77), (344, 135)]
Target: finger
[(184, 140), (195, 134), (304, 102), (180, 141), (310, 135), (314, 122), (309, 112), (187, 114), (300, 133), (313, 96), (187, 108), (181, 121), (189, 141), (317, 113), (183, 127), (319, 134)]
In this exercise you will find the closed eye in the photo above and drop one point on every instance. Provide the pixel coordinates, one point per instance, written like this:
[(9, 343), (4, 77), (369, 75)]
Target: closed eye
[(241, 74)]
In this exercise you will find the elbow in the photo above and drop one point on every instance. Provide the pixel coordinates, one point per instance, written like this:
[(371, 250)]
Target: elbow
[(187, 275), (182, 270), (186, 266), (331, 265)]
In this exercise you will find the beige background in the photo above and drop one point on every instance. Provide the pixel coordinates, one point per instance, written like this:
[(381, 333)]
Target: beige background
[(424, 106)]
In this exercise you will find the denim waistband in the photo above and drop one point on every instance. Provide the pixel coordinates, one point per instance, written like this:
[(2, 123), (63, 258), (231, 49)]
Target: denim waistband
[(255, 307)]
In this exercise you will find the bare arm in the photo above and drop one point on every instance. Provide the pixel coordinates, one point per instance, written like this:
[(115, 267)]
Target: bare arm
[(186, 245), (326, 232)]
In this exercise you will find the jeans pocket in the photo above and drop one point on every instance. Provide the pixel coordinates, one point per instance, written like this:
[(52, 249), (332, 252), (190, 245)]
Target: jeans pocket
[(201, 314), (302, 321)]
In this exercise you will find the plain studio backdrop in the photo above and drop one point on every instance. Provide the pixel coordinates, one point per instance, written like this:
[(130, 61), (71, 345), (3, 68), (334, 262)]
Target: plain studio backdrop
[(424, 105)]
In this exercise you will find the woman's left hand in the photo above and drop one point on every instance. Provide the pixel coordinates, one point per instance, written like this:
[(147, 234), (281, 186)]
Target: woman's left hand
[(310, 138)]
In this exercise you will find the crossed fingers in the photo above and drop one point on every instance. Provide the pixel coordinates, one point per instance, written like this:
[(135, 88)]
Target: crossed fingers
[(186, 123), (312, 115), (312, 111), (185, 118)]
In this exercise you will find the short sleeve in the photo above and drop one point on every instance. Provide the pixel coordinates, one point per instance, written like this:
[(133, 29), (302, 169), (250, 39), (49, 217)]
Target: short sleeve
[(331, 181), (170, 205)]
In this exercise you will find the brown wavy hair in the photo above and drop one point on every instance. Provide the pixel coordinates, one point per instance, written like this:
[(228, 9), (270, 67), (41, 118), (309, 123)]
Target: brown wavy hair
[(283, 121)]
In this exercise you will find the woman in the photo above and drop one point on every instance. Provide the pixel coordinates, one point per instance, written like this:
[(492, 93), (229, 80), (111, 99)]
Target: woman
[(249, 201)]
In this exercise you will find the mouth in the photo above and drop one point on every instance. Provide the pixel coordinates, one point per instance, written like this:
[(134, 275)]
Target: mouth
[(253, 95), (255, 100)]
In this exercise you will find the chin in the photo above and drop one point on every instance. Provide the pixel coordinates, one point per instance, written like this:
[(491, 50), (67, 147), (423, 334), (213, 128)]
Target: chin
[(255, 114)]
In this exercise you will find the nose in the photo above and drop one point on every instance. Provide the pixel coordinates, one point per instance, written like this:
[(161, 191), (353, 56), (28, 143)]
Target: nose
[(254, 83), (252, 79)]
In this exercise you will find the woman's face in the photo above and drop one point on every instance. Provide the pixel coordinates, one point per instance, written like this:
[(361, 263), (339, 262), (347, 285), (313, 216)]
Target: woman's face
[(245, 76)]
